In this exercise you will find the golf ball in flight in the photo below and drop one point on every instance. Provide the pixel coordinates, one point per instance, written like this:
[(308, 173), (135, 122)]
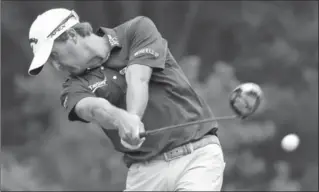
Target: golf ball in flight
[(290, 142)]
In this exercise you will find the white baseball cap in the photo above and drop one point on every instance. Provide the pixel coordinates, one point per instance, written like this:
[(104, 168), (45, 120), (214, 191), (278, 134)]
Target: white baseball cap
[(44, 30)]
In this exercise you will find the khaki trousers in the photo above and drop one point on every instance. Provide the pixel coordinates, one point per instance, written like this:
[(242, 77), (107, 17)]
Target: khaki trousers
[(200, 170)]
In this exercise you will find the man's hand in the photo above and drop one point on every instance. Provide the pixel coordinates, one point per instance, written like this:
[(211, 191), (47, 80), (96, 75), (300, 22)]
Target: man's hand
[(130, 126)]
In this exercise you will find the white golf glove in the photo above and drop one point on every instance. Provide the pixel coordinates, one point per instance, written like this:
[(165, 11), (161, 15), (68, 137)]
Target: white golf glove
[(132, 147), (135, 121)]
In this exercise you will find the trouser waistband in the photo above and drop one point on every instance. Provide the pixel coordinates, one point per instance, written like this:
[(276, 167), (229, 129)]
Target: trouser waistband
[(184, 149)]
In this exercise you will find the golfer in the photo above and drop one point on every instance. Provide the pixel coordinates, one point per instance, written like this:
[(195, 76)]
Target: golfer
[(126, 80)]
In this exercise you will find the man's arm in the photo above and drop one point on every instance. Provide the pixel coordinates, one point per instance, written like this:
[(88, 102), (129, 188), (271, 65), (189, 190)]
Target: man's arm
[(137, 79), (147, 54), (82, 105), (100, 111)]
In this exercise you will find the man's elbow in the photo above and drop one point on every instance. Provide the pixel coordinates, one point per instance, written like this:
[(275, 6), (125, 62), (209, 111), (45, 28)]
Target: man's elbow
[(144, 80), (87, 107), (138, 74), (137, 84)]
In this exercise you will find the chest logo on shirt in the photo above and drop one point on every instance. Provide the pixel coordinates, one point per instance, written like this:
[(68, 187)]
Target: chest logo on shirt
[(146, 51), (113, 41), (97, 85)]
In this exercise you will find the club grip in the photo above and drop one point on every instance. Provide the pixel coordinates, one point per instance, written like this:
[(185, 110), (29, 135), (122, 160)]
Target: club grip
[(144, 134)]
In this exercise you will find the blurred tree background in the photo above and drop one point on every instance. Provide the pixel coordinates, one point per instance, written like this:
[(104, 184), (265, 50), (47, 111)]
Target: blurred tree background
[(219, 44)]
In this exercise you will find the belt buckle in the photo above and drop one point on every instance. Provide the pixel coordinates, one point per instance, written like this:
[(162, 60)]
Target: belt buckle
[(189, 148), (168, 157), (186, 149)]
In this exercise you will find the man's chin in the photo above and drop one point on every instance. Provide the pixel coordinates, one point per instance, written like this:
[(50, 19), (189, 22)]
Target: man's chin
[(95, 62), (77, 72)]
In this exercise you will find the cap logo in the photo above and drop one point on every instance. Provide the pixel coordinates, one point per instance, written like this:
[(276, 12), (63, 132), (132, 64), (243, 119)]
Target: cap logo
[(33, 41), (60, 28)]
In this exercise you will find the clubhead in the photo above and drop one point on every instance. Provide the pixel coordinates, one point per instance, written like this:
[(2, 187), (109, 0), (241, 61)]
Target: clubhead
[(245, 99)]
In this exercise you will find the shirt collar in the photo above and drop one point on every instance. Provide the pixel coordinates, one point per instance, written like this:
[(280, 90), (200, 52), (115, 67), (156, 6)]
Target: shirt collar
[(110, 35)]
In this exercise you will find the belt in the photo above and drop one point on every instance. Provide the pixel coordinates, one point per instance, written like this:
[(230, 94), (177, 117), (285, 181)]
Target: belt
[(185, 149)]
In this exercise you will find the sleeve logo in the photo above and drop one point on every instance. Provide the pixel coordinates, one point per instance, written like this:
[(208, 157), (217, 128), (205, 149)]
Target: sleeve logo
[(146, 51)]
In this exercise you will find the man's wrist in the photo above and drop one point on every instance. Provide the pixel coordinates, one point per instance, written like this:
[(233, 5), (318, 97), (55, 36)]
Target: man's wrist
[(119, 116), (135, 114)]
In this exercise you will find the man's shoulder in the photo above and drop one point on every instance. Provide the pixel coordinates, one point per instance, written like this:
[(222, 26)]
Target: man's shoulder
[(136, 22), (129, 27), (79, 80), (131, 22)]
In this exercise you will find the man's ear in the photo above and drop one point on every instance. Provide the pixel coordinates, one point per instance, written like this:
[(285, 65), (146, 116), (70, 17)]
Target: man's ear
[(73, 35)]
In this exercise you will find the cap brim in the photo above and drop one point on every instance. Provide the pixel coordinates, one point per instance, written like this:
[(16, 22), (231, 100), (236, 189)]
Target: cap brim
[(40, 57)]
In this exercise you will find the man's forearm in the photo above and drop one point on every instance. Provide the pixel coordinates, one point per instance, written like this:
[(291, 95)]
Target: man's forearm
[(137, 97), (106, 115)]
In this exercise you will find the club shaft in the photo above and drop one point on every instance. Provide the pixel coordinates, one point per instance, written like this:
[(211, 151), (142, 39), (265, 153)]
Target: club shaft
[(152, 132)]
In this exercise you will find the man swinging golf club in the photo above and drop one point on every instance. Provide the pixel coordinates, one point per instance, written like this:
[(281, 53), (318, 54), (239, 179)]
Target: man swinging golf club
[(126, 80)]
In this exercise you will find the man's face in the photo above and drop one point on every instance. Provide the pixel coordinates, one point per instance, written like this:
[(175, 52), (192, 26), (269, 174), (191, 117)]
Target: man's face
[(72, 55)]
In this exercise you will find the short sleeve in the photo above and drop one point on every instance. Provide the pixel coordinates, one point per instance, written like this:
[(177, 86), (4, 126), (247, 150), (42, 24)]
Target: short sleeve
[(72, 93), (147, 47)]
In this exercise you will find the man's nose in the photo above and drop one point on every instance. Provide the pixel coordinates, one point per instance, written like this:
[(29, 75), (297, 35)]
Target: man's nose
[(57, 65)]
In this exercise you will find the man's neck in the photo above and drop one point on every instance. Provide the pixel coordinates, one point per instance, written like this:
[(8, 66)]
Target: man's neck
[(102, 47), (100, 50)]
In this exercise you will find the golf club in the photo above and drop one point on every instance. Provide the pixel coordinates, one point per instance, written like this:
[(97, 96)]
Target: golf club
[(153, 132), (239, 103)]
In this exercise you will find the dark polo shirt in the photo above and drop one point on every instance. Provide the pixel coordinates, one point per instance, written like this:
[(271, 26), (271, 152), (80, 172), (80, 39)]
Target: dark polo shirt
[(172, 100)]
